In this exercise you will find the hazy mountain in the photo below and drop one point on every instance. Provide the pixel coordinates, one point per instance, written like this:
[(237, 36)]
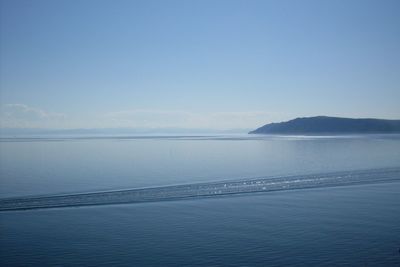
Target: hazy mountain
[(17, 132), (330, 125)]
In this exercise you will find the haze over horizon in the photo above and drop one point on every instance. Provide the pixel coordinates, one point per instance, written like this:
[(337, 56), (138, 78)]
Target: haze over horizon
[(196, 64)]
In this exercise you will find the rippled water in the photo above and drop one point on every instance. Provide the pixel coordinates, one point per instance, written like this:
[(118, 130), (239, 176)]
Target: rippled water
[(347, 225)]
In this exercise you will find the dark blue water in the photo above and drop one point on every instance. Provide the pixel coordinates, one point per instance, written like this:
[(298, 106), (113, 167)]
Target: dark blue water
[(355, 225)]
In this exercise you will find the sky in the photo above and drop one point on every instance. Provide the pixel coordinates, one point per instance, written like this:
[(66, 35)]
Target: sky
[(218, 64)]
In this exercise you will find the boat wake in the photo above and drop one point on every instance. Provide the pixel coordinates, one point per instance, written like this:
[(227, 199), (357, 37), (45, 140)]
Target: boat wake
[(201, 190)]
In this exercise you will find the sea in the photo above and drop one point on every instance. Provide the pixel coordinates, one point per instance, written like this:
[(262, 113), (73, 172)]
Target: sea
[(200, 200)]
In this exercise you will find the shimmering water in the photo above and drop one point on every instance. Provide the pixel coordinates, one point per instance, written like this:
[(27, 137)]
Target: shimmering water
[(349, 225)]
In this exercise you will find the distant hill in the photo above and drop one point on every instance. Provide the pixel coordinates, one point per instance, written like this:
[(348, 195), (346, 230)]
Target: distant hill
[(330, 125)]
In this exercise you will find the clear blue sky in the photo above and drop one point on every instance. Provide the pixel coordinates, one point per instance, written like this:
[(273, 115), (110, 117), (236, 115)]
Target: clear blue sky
[(196, 64)]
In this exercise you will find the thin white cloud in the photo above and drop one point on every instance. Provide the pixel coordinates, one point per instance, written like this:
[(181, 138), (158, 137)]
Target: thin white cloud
[(24, 116), (184, 119)]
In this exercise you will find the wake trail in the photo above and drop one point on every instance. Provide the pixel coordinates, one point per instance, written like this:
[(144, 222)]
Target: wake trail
[(202, 190)]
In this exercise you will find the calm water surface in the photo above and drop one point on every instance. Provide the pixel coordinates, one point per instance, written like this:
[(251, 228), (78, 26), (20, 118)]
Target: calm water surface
[(353, 225), (46, 166)]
